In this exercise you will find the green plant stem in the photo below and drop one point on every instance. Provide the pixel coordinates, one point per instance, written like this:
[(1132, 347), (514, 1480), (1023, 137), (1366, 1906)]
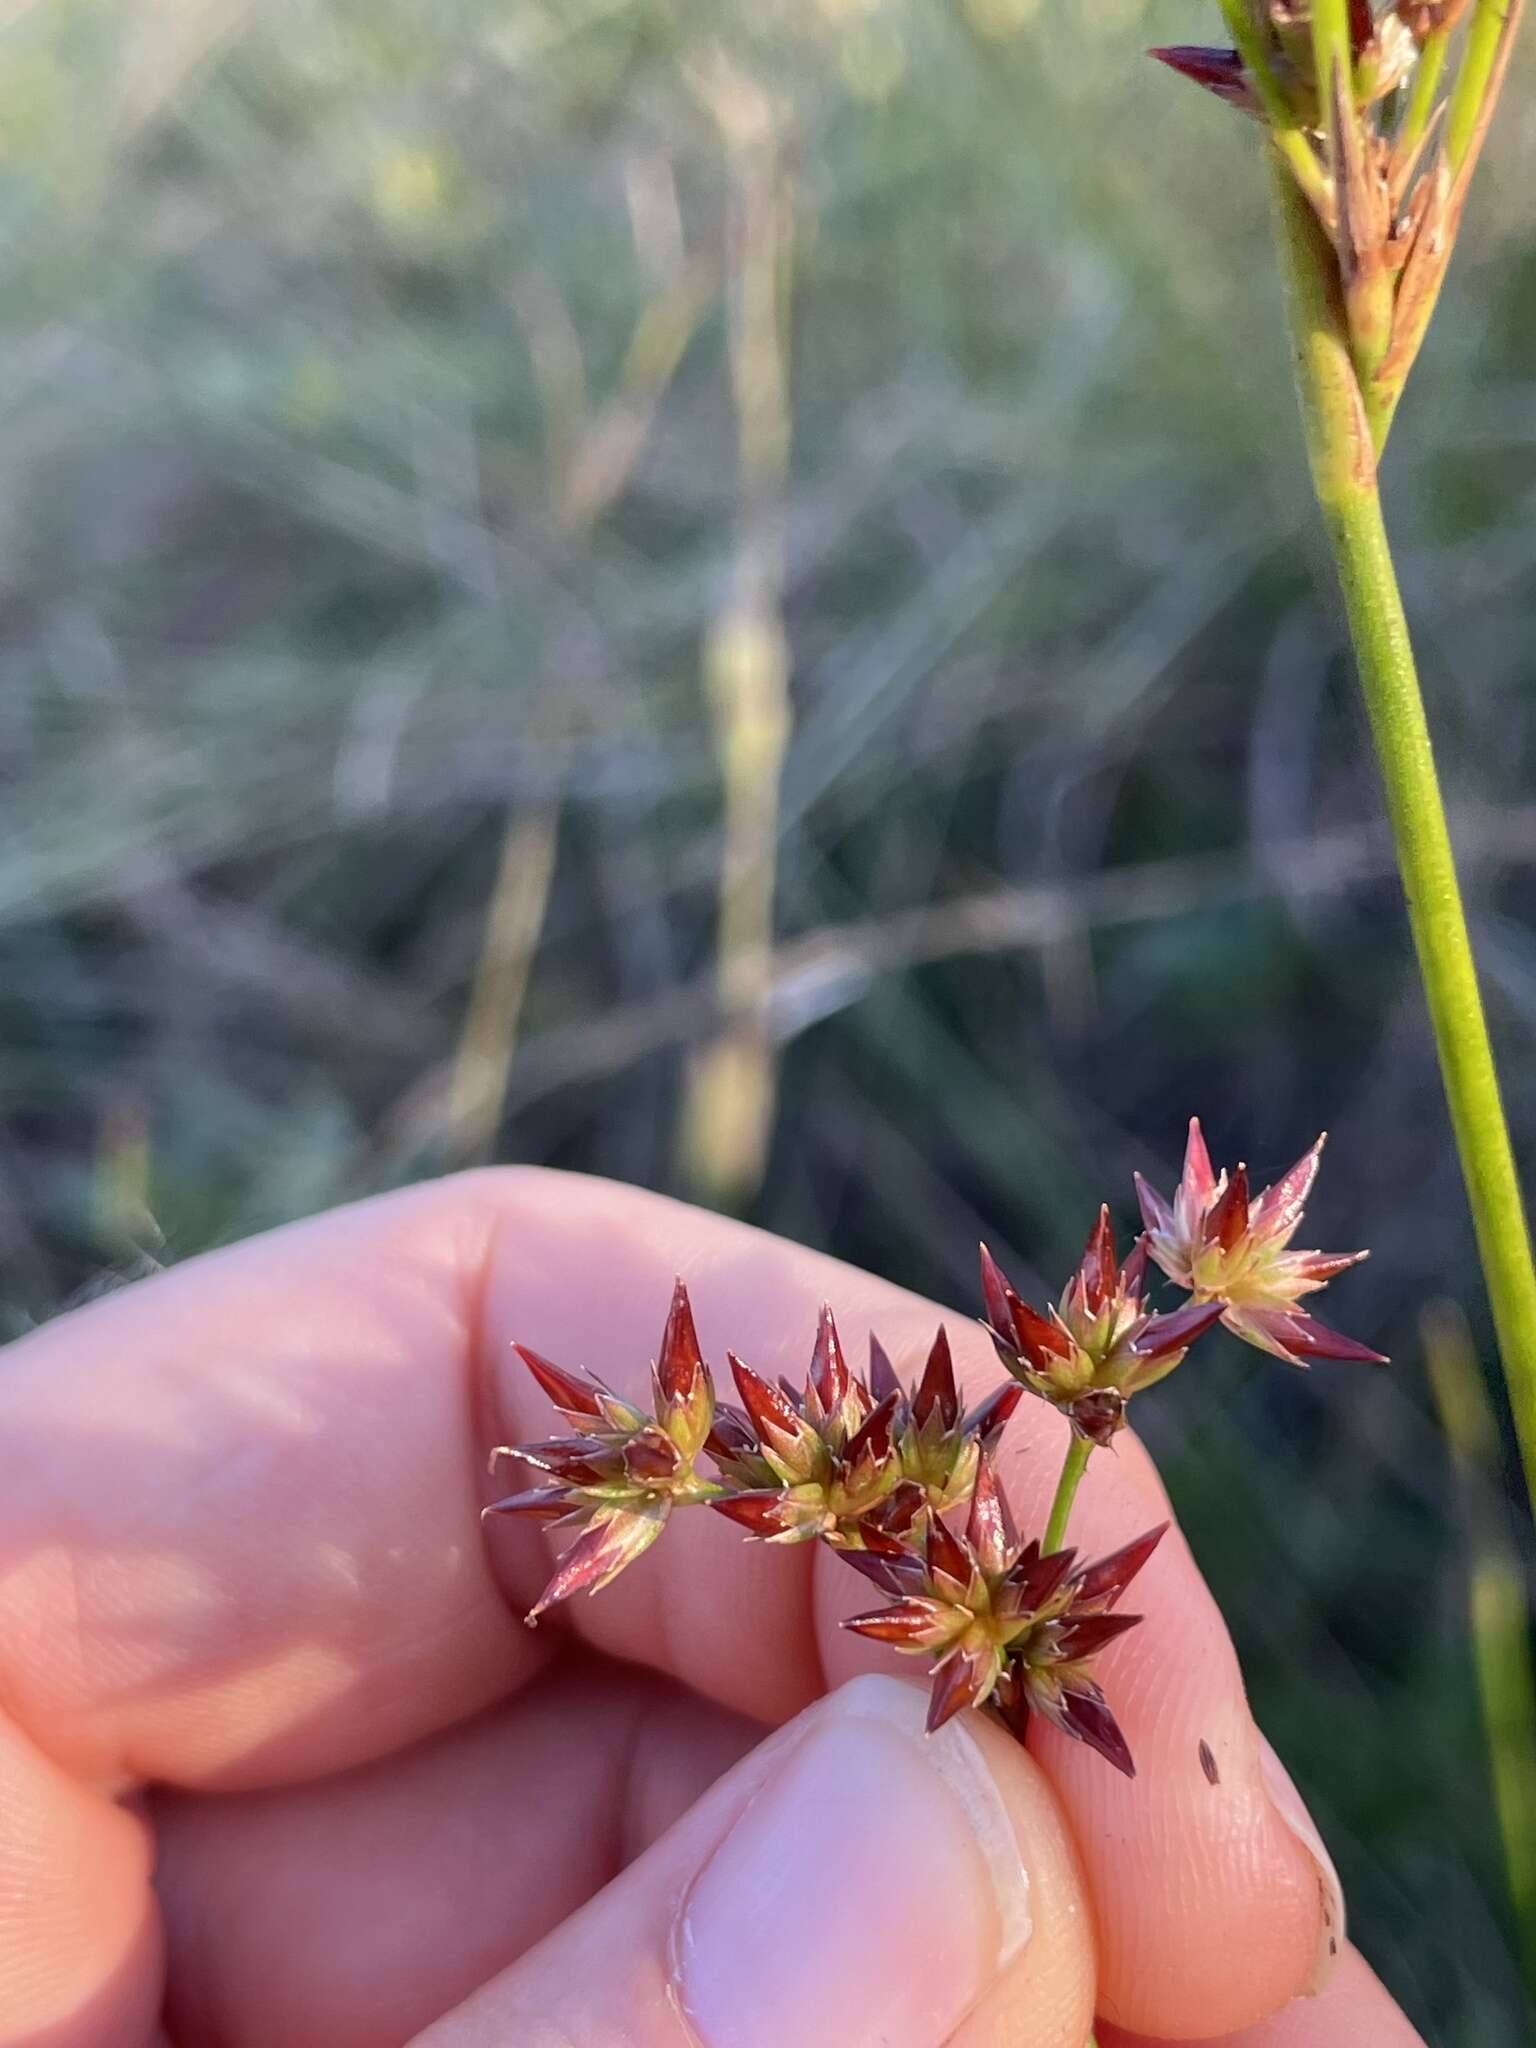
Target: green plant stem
[(1426, 83), (1285, 130), (1344, 475), (1079, 1451), (1331, 53), (1497, 1609), (1474, 78)]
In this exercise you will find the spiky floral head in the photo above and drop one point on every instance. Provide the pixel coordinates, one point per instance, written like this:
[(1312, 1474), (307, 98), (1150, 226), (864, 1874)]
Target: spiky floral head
[(1100, 1343), (621, 1473), (1231, 1248), (822, 1462), (939, 1442), (1005, 1624)]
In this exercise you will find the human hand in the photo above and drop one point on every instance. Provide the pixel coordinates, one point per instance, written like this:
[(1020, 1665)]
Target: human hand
[(280, 1765)]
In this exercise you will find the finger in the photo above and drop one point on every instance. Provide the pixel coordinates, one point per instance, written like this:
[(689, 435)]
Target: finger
[(79, 1937), (852, 1880), (352, 1911), (1353, 2011), (276, 1571), (239, 1540)]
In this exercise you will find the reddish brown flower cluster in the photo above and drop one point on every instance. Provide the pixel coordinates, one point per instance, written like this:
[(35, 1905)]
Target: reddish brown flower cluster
[(1233, 1252), (1382, 134), (871, 1469), (1100, 1344), (1006, 1623)]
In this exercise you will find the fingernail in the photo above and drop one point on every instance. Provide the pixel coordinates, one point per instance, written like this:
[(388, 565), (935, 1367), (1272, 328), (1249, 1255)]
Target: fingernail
[(870, 1891), (1290, 1806)]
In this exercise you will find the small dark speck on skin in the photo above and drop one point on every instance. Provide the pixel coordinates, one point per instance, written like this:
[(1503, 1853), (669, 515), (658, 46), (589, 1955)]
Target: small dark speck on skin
[(1208, 1763), (1333, 1946)]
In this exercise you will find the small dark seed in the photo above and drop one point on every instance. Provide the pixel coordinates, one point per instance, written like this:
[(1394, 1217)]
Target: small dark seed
[(1208, 1763)]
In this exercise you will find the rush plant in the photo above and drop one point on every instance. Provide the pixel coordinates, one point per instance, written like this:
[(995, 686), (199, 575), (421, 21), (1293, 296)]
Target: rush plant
[(903, 1484), (1374, 121)]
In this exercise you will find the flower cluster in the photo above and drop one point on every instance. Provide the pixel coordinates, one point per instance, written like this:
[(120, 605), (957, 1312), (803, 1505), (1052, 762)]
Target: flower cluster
[(1006, 1623), (1100, 1344), (872, 1469), (1234, 1253), (1381, 134)]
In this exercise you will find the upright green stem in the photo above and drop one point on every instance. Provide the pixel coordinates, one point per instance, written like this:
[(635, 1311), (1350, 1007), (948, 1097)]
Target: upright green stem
[(1283, 124), (1426, 84), (1498, 1610), (1331, 53), (1079, 1451), (1473, 80), (1344, 474)]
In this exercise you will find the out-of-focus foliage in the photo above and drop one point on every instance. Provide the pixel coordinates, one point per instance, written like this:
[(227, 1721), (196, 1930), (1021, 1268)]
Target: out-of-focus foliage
[(371, 492)]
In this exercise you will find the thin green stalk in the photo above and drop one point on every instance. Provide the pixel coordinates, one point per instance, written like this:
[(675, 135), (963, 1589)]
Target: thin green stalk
[(1332, 52), (1285, 130), (1474, 78), (1498, 1614), (1426, 83), (1344, 474), (1079, 1451)]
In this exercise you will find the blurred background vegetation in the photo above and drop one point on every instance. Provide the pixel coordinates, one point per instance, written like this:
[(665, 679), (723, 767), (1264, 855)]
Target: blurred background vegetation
[(725, 595)]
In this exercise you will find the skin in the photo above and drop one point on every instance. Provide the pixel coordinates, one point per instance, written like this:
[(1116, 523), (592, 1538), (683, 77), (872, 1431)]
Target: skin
[(279, 1761)]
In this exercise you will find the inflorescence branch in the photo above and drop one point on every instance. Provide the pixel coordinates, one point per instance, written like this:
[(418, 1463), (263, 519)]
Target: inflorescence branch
[(1355, 102), (904, 1485)]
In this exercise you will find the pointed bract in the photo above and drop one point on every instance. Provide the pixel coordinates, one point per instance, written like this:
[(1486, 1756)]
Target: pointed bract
[(911, 1623), (829, 1379), (1088, 1635), (1219, 71), (989, 1530), (539, 1503), (882, 1374), (947, 1556), (1229, 1213), (990, 1417), (1085, 1714), (1037, 1578), (601, 1552), (680, 1362), (1100, 1585), (1177, 1330), (1280, 1206), (1297, 1338), (937, 1394), (1100, 1269), (995, 1292), (787, 1439), (964, 1681), (1198, 1171), (576, 1395)]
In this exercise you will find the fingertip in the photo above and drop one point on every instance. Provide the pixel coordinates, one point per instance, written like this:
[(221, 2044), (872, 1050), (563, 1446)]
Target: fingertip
[(1210, 1904), (1211, 1898), (1355, 2010)]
